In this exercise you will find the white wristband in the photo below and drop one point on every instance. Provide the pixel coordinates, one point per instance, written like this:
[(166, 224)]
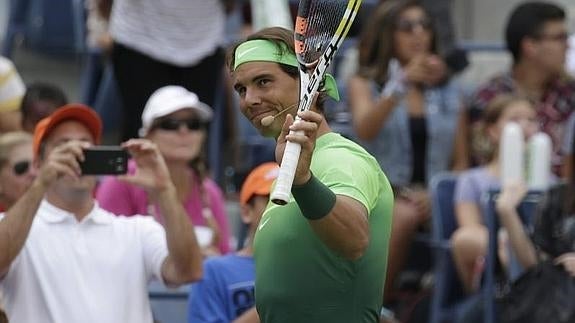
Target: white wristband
[(395, 86)]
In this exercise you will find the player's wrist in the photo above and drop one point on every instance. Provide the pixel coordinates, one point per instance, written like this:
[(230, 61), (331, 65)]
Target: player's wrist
[(314, 198)]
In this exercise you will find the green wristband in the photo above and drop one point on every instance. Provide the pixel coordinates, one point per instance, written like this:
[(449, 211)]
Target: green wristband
[(315, 200)]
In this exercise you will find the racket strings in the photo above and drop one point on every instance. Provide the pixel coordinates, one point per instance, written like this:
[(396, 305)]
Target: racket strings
[(323, 20)]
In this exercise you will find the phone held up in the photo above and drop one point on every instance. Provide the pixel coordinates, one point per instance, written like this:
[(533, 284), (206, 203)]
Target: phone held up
[(104, 160)]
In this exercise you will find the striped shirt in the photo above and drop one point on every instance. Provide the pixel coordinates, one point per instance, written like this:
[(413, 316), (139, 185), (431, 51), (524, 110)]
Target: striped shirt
[(177, 32), (11, 86)]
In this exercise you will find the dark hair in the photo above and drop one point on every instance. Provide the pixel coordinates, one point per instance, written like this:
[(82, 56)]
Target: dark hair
[(376, 46), (526, 21), (40, 92), (554, 224), (283, 39)]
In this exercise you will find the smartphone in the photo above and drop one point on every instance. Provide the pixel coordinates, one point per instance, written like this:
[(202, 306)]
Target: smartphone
[(104, 160)]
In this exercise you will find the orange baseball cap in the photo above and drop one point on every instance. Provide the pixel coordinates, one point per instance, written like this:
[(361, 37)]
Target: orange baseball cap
[(73, 111), (259, 181)]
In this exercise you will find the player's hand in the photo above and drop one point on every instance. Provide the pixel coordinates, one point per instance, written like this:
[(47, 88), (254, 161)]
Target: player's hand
[(151, 171), (309, 124), (63, 160)]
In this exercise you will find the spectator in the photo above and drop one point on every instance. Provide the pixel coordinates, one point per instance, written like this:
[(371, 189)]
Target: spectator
[(177, 122), (542, 253), (403, 114), (470, 239), (226, 292), (322, 256), (64, 259), (11, 91), (40, 100), (185, 51), (99, 88), (16, 173), (536, 37)]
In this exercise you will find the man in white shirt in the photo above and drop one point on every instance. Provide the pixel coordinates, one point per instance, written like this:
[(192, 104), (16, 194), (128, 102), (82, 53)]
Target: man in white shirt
[(64, 259)]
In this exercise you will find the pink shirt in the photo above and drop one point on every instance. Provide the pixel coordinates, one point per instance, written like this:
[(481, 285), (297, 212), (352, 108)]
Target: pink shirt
[(125, 199)]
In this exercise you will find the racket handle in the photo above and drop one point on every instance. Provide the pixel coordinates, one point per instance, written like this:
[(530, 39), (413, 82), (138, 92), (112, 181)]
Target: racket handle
[(282, 190)]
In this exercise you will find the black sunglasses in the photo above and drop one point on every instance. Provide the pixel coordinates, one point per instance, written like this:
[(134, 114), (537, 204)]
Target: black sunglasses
[(175, 124), (410, 25), (20, 168)]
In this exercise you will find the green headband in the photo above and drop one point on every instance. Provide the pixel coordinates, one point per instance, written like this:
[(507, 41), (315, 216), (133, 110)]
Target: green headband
[(267, 51)]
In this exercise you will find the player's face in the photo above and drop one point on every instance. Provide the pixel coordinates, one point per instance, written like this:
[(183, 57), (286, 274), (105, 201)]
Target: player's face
[(265, 90)]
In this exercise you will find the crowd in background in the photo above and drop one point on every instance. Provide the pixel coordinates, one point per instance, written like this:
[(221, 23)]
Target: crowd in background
[(161, 76)]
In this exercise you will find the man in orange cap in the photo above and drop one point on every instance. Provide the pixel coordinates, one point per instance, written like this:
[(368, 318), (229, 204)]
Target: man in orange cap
[(64, 259), (226, 293)]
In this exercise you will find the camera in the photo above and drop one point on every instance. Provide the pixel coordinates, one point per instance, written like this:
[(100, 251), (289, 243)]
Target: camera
[(104, 160)]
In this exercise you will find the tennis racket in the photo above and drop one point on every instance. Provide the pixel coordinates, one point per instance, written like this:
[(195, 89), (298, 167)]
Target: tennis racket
[(320, 28)]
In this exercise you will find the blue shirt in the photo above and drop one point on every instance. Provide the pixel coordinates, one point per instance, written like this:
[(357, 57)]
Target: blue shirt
[(392, 146), (225, 292)]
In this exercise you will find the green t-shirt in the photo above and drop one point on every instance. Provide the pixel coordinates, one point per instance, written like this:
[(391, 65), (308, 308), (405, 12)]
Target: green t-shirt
[(298, 278)]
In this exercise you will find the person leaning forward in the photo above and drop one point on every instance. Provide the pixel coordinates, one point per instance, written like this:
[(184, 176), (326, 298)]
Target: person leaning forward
[(322, 257), (64, 259)]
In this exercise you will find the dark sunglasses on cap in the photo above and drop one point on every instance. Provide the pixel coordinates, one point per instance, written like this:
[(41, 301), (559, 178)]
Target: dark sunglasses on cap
[(175, 124), (409, 26), (20, 168)]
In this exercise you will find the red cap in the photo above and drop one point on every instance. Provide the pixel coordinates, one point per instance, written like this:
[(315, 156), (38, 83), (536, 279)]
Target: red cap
[(259, 181), (73, 111)]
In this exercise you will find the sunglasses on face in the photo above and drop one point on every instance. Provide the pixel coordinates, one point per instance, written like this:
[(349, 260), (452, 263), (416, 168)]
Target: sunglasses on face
[(409, 26), (20, 168), (175, 124)]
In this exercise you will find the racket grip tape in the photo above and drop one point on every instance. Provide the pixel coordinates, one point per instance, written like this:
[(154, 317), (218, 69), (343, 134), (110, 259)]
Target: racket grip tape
[(282, 190)]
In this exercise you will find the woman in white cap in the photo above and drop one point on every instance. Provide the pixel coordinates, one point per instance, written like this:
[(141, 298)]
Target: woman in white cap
[(176, 121)]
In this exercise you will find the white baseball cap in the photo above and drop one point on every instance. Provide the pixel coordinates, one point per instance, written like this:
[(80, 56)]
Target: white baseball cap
[(169, 99)]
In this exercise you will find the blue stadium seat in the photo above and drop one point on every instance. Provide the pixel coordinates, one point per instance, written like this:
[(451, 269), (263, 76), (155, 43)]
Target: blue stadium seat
[(168, 305), (448, 292), (53, 27)]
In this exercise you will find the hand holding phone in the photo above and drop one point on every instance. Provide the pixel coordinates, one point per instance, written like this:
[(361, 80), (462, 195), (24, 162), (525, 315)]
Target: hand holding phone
[(104, 160)]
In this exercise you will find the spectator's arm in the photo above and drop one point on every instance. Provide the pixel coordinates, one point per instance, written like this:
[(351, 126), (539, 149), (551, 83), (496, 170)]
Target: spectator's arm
[(15, 226), (461, 149), (249, 316), (183, 263), (369, 114), (506, 207), (567, 168), (468, 214)]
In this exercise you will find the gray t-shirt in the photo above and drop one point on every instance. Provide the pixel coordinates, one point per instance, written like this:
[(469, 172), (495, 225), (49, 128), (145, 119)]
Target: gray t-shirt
[(472, 184)]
